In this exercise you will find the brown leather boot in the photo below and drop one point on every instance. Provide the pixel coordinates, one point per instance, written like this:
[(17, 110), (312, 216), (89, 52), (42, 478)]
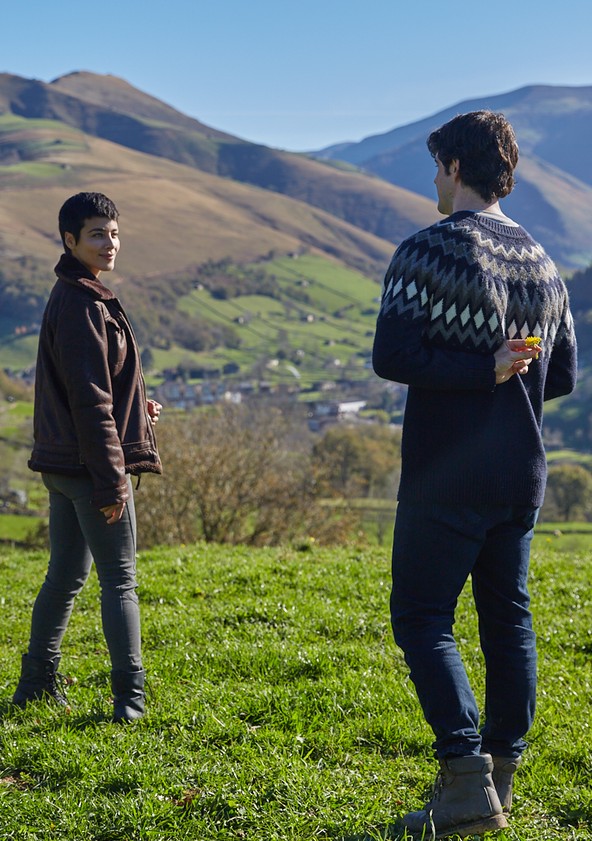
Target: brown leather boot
[(464, 801), (504, 768)]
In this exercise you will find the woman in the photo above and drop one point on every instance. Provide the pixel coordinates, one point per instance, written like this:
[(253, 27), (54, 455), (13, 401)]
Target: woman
[(93, 427)]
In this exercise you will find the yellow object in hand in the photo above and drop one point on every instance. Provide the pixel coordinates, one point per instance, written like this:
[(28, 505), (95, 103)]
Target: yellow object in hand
[(532, 341)]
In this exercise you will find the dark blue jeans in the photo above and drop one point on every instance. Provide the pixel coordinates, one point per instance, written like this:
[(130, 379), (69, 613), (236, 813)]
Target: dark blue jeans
[(436, 547), (79, 533)]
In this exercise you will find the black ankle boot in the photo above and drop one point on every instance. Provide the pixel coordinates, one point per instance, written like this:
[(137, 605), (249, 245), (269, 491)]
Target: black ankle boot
[(128, 695), (39, 681)]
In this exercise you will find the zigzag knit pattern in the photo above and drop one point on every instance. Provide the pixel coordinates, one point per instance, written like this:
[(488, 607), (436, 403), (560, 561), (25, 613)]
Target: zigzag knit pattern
[(480, 282)]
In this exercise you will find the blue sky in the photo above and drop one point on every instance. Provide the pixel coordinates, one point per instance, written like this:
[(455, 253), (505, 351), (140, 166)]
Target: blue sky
[(303, 75)]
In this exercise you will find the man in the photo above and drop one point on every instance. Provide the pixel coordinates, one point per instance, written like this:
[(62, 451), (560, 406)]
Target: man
[(93, 427), (459, 300)]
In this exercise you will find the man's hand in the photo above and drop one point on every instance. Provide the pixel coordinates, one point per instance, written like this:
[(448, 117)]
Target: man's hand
[(513, 357), (113, 513), (154, 409)]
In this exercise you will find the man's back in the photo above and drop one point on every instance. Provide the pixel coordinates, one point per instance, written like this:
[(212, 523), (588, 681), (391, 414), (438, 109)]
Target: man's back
[(453, 293)]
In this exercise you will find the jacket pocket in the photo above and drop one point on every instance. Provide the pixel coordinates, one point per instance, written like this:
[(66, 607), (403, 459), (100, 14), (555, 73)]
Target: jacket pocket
[(116, 344)]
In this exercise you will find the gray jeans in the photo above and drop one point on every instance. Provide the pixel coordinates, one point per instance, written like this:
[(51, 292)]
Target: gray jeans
[(79, 533)]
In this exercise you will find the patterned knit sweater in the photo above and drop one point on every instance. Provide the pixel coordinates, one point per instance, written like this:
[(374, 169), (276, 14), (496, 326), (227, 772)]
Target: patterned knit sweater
[(452, 294)]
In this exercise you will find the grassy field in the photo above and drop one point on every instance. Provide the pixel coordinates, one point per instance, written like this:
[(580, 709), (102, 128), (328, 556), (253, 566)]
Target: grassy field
[(341, 309), (14, 527), (279, 707)]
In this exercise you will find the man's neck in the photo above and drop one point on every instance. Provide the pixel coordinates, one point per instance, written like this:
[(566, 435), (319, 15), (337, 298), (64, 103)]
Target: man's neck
[(467, 199)]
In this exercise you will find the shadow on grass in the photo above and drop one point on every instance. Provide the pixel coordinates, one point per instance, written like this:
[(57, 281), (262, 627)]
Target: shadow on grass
[(72, 719), (575, 818), (397, 832), (6, 707), (387, 832), (82, 721)]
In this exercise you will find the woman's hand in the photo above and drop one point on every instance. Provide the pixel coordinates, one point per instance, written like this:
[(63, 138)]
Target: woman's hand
[(154, 409), (113, 513)]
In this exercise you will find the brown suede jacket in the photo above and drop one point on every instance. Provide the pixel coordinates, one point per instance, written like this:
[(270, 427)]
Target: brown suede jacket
[(90, 399)]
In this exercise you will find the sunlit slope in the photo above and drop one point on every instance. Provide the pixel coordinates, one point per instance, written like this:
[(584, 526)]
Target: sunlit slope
[(171, 215)]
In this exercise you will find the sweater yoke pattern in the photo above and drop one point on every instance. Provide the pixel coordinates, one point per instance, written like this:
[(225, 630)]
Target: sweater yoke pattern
[(475, 282)]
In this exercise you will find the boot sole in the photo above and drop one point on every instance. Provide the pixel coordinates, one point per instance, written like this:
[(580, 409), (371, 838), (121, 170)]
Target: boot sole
[(491, 824), (44, 696)]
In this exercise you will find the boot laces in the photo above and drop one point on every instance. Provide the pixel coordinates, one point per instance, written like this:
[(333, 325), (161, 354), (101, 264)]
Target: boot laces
[(437, 787), (52, 688)]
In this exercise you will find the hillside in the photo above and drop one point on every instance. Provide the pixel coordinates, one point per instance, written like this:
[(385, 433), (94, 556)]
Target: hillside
[(172, 217), (553, 196), (189, 215), (110, 108), (182, 208), (255, 305), (239, 258)]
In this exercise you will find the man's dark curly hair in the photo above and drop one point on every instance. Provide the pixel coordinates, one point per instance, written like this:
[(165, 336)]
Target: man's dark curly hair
[(77, 209), (485, 146)]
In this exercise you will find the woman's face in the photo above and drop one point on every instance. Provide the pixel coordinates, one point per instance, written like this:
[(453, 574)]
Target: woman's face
[(97, 244)]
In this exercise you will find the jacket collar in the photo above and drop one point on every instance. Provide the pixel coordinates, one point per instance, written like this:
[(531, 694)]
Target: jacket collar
[(72, 271)]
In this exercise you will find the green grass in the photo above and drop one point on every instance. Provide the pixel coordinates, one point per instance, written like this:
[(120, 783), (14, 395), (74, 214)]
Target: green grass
[(16, 418), (15, 527), (11, 122), (18, 352), (17, 410), (40, 139), (34, 169), (317, 270), (279, 706), (341, 303), (564, 528), (569, 457)]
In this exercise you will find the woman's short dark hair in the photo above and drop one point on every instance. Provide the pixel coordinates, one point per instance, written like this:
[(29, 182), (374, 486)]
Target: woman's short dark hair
[(77, 209), (485, 146)]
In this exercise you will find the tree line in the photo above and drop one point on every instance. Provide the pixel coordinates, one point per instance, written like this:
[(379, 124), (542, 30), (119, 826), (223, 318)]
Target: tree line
[(238, 474), (253, 474)]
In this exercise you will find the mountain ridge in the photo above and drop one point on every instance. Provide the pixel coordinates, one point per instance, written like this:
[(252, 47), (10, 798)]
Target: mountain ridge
[(79, 100), (551, 122), (553, 125), (234, 254)]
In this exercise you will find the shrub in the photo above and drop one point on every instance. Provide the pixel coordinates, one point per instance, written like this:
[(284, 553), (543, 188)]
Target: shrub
[(235, 475)]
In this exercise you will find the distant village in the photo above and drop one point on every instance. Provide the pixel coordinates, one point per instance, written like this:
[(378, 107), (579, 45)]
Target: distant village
[(331, 401)]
